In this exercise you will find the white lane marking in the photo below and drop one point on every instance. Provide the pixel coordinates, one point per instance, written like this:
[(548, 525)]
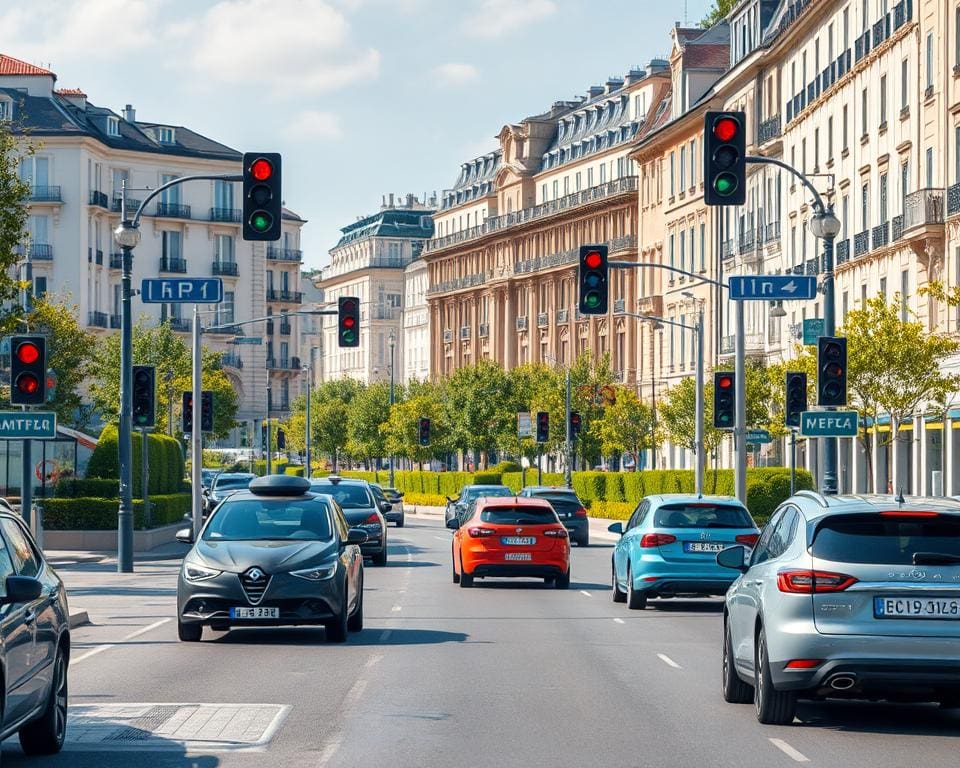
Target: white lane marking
[(385, 635), (146, 629), (668, 661), (396, 608), (442, 538), (93, 652), (789, 751), (329, 752), (620, 621), (584, 592), (131, 636)]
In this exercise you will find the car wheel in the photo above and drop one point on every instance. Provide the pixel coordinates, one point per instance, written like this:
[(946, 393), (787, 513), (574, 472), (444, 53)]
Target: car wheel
[(453, 569), (189, 633), (338, 627), (466, 579), (563, 580), (45, 736), (619, 596), (400, 522), (636, 601), (584, 542), (773, 707), (355, 622), (734, 690), (380, 559)]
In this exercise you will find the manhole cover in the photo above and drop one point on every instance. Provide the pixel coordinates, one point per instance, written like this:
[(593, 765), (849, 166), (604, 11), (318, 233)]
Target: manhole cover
[(173, 726)]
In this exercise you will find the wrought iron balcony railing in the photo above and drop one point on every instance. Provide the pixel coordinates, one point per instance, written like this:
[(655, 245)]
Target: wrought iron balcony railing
[(173, 210), (173, 264), (227, 268)]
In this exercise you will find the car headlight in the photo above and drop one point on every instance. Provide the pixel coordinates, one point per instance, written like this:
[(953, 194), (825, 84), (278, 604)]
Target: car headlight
[(197, 572), (317, 573)]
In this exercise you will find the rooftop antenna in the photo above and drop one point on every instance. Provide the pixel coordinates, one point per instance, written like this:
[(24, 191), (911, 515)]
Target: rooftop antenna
[(899, 497)]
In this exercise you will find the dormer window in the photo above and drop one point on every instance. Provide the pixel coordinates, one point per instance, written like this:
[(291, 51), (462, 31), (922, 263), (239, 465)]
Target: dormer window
[(113, 126), (165, 135)]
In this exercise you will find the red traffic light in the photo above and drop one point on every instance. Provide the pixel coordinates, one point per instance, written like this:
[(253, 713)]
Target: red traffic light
[(348, 305), (349, 322), (725, 128), (28, 383), (261, 169), (28, 353), (724, 382), (593, 260)]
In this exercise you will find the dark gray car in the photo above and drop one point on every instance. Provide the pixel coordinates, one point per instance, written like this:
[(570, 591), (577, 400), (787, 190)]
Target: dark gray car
[(469, 493), (275, 554), (569, 509), (362, 510)]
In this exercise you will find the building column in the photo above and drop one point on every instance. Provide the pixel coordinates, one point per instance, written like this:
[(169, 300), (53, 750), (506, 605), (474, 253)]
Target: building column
[(509, 331)]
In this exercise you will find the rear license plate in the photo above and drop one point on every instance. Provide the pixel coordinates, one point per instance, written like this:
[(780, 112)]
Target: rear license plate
[(255, 613), (518, 556), (518, 541), (916, 607), (704, 546)]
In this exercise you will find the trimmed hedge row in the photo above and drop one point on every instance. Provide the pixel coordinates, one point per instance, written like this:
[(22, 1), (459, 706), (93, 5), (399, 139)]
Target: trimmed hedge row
[(163, 454), (98, 514)]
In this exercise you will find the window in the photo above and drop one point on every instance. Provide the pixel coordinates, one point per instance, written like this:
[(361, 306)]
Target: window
[(683, 253), (166, 135), (904, 181), (566, 191), (603, 173), (883, 288), (830, 138), (224, 249), (845, 124), (883, 100), (169, 196), (929, 61), (683, 166), (113, 126), (929, 167), (6, 109), (171, 243), (883, 198), (578, 181), (556, 189), (865, 206), (672, 262), (846, 27), (816, 149), (904, 84), (589, 177), (693, 163), (845, 207), (672, 179), (864, 121), (223, 195), (956, 38), (904, 294), (25, 558), (845, 306), (543, 193), (38, 227), (693, 250), (864, 14), (39, 287), (35, 171)]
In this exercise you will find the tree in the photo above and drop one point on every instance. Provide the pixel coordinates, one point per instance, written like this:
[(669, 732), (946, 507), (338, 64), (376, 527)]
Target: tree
[(717, 13), (402, 428), (328, 421), (626, 426), (475, 407), (369, 412), (14, 193)]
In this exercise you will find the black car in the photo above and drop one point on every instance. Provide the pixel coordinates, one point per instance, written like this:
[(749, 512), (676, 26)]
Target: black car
[(395, 512), (569, 509), (362, 510), (34, 643), (469, 493), (275, 554)]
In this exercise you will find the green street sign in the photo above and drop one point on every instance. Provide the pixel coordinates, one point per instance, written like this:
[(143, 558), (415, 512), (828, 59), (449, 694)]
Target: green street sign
[(758, 436), (813, 329), (248, 340), (829, 424), (35, 425)]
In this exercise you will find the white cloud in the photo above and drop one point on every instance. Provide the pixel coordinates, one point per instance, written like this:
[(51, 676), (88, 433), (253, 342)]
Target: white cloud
[(453, 73), (497, 18), (313, 124)]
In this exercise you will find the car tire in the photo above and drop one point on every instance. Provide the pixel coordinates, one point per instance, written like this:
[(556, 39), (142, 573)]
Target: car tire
[(338, 628), (380, 559), (189, 633), (636, 601), (466, 579), (734, 690), (773, 707), (355, 622), (584, 542), (619, 596), (562, 581), (45, 735)]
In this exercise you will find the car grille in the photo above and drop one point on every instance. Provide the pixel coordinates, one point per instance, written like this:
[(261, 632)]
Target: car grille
[(254, 588)]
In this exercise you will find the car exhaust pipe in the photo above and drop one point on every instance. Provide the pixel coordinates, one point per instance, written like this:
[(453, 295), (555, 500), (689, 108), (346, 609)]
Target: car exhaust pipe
[(843, 682)]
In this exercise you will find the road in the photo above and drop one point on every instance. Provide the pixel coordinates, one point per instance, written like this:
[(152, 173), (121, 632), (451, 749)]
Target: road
[(505, 674)]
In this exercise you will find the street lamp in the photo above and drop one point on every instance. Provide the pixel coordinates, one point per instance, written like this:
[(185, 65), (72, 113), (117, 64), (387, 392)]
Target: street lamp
[(392, 341), (308, 369)]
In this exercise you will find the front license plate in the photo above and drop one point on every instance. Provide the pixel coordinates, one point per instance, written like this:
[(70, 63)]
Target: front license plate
[(518, 541), (916, 607), (518, 556), (704, 546), (255, 613)]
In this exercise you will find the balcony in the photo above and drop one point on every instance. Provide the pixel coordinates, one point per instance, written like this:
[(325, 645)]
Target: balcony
[(812, 266), (468, 281), (284, 254), (383, 312), (464, 333), (99, 199), (953, 199), (231, 360), (290, 297), (771, 232), (727, 249), (447, 336), (769, 129), (896, 229), (861, 244), (842, 251), (285, 329), (747, 240), (922, 208), (173, 264), (40, 251), (563, 315), (543, 320), (619, 306), (483, 331), (902, 13), (45, 195), (173, 210), (283, 363), (115, 321), (880, 235), (650, 305), (182, 324), (226, 268), (132, 205), (98, 319), (522, 323), (753, 344), (231, 215), (116, 261)]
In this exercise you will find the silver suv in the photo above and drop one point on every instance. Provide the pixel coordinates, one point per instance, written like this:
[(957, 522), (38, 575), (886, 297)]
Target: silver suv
[(845, 596)]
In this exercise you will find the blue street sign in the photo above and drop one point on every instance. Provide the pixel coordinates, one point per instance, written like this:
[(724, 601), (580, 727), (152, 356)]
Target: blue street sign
[(181, 290), (772, 287), (20, 425), (829, 424), (813, 329), (248, 340), (758, 436)]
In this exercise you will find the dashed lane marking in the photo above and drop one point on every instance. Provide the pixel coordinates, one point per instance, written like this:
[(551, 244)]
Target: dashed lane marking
[(789, 751), (668, 661), (126, 638), (620, 621), (396, 608), (584, 592)]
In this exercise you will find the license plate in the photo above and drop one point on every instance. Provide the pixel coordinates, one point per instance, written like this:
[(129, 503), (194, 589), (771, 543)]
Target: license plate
[(518, 541), (518, 556), (255, 613), (916, 607), (704, 546)]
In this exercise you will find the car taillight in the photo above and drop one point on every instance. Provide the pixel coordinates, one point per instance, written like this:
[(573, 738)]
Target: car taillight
[(804, 663), (580, 512), (478, 533), (810, 582), (557, 533), (656, 539), (909, 513), (748, 539), (372, 520)]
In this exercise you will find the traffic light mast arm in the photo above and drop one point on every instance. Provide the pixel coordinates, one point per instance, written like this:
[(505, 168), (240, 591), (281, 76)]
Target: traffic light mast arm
[(818, 205), (657, 319), (651, 265), (135, 221), (215, 328)]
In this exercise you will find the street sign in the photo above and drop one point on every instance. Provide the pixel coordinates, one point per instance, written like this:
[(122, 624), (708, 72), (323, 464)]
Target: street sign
[(758, 436), (33, 425), (813, 329), (829, 424), (181, 290), (772, 287), (524, 424), (248, 340)]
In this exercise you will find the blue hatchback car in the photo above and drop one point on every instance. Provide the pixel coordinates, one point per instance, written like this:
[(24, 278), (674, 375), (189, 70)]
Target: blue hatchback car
[(669, 547)]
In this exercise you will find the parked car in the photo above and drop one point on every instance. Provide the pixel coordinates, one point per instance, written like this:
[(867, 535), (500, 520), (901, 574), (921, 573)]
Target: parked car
[(274, 554), (207, 476), (361, 509), (510, 537), (569, 509), (395, 513), (457, 506), (845, 597), (669, 547), (34, 642)]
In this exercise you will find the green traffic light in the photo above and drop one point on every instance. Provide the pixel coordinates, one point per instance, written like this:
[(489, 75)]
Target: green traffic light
[(261, 221), (347, 337), (725, 184), (592, 300)]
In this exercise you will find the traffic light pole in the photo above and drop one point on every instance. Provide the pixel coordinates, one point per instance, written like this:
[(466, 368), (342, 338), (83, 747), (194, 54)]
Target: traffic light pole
[(26, 457), (568, 469), (740, 422), (196, 434)]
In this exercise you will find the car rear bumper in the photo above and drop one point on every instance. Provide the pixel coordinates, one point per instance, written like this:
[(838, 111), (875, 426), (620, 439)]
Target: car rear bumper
[(676, 585), (921, 680), (520, 570), (577, 527), (394, 514)]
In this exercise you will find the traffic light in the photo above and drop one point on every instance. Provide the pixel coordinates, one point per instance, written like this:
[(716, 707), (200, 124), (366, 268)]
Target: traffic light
[(424, 431), (831, 370), (724, 399), (576, 424), (348, 321), (543, 426), (796, 400), (593, 279), (206, 411), (261, 196), (52, 381), (187, 415), (144, 396), (725, 158), (28, 370), (281, 440)]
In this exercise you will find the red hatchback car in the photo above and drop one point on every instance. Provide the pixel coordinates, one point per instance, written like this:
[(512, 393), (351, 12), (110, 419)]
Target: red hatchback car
[(510, 537)]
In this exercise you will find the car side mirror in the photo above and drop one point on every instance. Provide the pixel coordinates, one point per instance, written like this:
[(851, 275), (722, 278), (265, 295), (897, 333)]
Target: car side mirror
[(400, 494), (449, 500), (357, 536), (21, 589), (616, 528), (733, 557), (385, 506), (185, 535), (453, 523)]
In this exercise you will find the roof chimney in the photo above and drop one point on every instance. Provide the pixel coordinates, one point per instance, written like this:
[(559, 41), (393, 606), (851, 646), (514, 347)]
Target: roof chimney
[(390, 203), (129, 113), (635, 75), (593, 91), (411, 199), (614, 84)]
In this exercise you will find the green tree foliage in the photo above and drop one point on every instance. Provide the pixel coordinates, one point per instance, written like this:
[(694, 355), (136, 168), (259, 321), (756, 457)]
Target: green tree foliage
[(402, 428), (328, 421), (14, 193), (626, 426), (474, 407), (369, 412), (717, 13)]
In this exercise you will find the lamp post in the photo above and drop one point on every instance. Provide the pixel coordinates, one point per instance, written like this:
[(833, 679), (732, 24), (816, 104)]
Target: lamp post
[(308, 369), (269, 451), (392, 341)]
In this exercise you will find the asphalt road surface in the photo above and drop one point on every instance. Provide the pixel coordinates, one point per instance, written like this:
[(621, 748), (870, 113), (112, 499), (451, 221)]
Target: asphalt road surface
[(505, 674)]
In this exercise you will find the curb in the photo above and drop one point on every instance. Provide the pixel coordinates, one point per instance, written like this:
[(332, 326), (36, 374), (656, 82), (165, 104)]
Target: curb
[(78, 618), (68, 560)]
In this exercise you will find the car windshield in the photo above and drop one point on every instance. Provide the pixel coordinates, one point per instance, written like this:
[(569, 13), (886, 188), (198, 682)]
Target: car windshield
[(231, 483), (886, 540), (469, 494), (270, 520), (522, 515), (348, 496), (702, 516)]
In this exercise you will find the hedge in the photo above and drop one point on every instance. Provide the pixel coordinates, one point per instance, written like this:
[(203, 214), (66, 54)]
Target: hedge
[(99, 514), (423, 500), (259, 467), (612, 510), (295, 471), (163, 455)]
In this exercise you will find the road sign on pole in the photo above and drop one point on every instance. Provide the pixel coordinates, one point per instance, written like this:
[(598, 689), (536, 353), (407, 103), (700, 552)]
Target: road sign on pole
[(813, 329), (24, 425), (248, 340), (181, 290), (829, 424), (758, 436), (772, 287), (524, 424)]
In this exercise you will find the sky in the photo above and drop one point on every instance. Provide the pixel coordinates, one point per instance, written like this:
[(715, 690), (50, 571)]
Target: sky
[(362, 97)]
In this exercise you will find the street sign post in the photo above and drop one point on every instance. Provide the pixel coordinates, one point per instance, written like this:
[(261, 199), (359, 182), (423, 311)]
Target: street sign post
[(28, 425), (813, 329), (181, 290), (829, 424), (524, 424), (759, 436), (248, 340), (772, 287)]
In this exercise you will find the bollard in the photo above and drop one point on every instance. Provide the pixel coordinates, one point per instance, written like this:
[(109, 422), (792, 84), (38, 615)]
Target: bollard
[(936, 482)]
